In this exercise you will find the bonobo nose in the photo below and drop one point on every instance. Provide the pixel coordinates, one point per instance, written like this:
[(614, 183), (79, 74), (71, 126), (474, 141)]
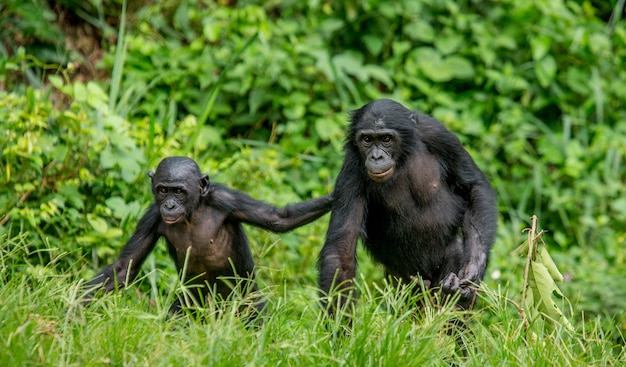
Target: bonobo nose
[(377, 156)]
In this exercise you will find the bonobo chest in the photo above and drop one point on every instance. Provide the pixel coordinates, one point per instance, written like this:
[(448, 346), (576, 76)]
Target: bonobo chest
[(415, 209), (409, 225), (205, 236)]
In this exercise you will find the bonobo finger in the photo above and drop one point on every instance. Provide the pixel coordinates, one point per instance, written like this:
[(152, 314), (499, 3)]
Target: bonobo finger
[(451, 283), (467, 288), (466, 292)]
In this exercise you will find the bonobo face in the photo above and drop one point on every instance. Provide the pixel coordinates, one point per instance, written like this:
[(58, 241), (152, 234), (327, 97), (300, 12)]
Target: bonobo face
[(379, 149), (172, 201), (178, 186)]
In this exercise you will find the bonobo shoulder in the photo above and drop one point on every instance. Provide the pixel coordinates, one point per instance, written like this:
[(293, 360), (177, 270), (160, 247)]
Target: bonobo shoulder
[(222, 197), (437, 137), (429, 127), (218, 191)]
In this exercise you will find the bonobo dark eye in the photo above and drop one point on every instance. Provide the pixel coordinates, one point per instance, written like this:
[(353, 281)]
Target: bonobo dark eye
[(387, 139), (162, 190), (366, 139), (178, 191)]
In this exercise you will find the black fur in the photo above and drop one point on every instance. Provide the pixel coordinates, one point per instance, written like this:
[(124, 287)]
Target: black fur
[(435, 216), (202, 225)]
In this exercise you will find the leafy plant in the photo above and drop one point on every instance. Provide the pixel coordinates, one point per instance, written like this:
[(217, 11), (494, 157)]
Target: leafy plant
[(32, 37), (539, 282), (62, 167)]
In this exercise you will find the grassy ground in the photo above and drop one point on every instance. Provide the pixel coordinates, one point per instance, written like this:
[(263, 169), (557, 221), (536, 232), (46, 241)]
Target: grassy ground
[(130, 328)]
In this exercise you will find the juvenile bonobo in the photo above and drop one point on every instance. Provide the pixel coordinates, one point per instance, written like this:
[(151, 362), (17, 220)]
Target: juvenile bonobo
[(201, 222), (416, 199)]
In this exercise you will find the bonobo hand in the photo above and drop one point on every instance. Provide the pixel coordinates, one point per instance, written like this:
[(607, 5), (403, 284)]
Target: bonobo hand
[(465, 286)]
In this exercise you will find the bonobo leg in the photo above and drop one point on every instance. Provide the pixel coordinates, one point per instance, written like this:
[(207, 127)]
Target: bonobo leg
[(251, 310)]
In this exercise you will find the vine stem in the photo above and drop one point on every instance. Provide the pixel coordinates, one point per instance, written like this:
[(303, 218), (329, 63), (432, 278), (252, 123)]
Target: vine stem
[(532, 237)]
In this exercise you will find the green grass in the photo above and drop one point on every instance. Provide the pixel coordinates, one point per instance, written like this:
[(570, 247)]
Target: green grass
[(42, 326)]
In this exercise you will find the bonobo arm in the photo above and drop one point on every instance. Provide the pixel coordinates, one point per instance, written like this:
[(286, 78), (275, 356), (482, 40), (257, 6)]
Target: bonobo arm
[(479, 231), (337, 261), (131, 257), (243, 208), (481, 214)]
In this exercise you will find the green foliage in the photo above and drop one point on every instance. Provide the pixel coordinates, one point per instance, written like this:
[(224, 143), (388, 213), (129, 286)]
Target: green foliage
[(537, 86), (28, 28), (62, 168), (539, 282)]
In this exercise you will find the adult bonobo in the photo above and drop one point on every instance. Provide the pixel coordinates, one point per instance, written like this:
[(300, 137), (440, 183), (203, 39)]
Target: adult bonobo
[(416, 199), (201, 222)]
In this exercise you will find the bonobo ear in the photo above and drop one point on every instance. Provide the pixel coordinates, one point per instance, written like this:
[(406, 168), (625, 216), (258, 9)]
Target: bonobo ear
[(204, 185), (414, 118), (151, 175)]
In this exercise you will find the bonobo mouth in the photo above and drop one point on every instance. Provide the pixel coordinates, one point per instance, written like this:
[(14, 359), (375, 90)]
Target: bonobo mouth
[(381, 176), (172, 220)]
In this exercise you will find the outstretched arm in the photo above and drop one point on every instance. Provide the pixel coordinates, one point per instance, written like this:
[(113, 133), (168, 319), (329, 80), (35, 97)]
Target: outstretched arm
[(134, 252), (244, 208)]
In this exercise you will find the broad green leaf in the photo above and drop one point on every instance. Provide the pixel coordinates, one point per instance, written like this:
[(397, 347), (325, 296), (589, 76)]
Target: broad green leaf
[(209, 135), (115, 123), (448, 45), (599, 43), (56, 81), (540, 46), (98, 224), (419, 30), (578, 79), (400, 47), (96, 97), (72, 195), (351, 62), (619, 205), (80, 92), (294, 112), (545, 69), (327, 128), (459, 67), (545, 259), (380, 74), (546, 288), (425, 56), (509, 83), (530, 302), (331, 25), (107, 159), (390, 9), (129, 169), (211, 29), (429, 62), (113, 233), (320, 107), (374, 44), (256, 98), (117, 206)]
